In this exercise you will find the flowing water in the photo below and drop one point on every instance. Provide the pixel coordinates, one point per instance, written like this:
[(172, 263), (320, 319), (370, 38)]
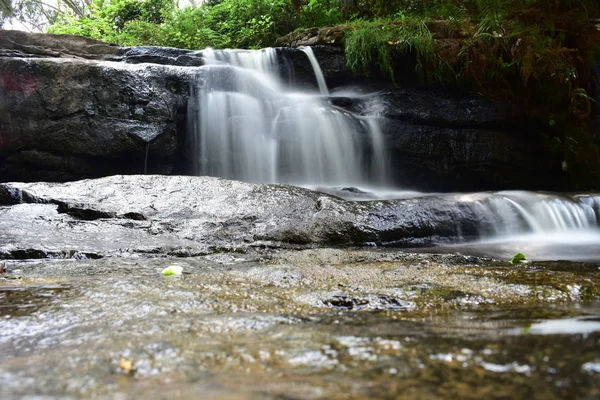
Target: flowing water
[(248, 126), (544, 226)]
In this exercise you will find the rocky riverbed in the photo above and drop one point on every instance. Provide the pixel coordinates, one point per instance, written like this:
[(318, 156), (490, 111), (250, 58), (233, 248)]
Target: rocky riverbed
[(269, 305)]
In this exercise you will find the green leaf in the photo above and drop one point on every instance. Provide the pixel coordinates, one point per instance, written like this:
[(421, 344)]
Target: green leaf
[(173, 270), (518, 258)]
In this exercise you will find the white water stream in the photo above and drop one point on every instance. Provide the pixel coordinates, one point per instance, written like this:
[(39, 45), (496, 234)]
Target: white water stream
[(248, 126)]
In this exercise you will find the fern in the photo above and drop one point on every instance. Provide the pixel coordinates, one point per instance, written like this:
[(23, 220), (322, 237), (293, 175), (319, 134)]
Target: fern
[(372, 43), (491, 14)]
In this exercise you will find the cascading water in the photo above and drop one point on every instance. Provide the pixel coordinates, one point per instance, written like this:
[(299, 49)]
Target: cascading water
[(518, 212), (247, 126), (544, 226)]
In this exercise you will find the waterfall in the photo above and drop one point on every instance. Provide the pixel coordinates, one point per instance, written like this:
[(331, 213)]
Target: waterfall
[(247, 125)]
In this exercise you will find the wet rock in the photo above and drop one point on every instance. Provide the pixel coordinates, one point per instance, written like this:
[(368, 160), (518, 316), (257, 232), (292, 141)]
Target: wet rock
[(149, 212), (224, 331), (332, 61), (371, 302), (71, 119), (437, 140), (181, 215), (161, 55), (596, 104), (30, 44)]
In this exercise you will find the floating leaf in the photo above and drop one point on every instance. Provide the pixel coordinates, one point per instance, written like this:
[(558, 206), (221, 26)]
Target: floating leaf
[(518, 258), (126, 365), (173, 270)]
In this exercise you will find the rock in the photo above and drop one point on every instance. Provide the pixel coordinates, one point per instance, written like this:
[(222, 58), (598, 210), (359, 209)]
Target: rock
[(328, 35), (66, 119), (162, 55), (438, 140), (468, 159), (149, 213), (226, 331), (332, 62), (29, 44), (596, 104)]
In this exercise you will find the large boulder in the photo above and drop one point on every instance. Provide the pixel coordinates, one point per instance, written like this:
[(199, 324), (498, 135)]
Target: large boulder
[(183, 215), (65, 119)]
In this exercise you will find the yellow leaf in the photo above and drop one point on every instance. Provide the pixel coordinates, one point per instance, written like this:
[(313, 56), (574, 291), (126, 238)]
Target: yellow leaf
[(126, 365)]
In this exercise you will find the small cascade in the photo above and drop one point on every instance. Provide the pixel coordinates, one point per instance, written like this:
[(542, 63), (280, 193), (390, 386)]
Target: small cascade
[(514, 213), (246, 125)]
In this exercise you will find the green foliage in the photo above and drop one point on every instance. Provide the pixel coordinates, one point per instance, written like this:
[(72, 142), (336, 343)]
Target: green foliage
[(228, 23), (5, 11), (375, 43), (322, 13), (36, 14), (119, 21), (249, 23)]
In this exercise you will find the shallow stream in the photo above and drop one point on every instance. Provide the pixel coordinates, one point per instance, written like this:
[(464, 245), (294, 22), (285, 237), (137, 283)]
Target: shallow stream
[(310, 324)]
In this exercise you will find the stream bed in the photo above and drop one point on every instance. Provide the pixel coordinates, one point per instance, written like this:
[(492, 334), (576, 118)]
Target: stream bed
[(309, 324)]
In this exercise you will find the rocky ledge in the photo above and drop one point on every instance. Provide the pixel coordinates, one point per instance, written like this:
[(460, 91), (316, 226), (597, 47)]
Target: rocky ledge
[(185, 216), (178, 215)]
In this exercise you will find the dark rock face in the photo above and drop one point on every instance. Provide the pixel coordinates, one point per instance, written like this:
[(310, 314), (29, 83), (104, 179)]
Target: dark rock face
[(65, 119), (596, 105), (331, 60), (438, 141)]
